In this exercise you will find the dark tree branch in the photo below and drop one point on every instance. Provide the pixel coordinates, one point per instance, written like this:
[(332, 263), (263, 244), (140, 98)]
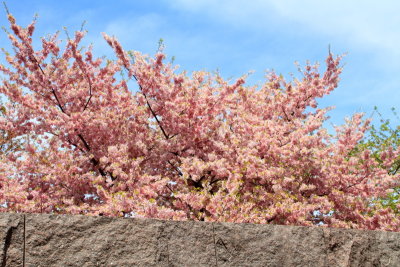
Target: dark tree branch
[(151, 109), (176, 168), (397, 169), (173, 136), (94, 161), (84, 142), (86, 75), (284, 112), (33, 58), (271, 219), (357, 183), (155, 117), (90, 92)]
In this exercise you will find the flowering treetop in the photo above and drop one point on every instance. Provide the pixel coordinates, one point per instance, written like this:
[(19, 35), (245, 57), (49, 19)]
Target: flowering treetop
[(181, 147)]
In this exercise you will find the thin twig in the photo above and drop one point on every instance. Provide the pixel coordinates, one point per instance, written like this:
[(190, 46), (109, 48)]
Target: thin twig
[(6, 8), (90, 92)]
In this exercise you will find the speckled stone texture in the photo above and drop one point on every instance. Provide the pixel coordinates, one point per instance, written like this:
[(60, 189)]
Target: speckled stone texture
[(12, 239), (278, 245), (99, 241), (64, 240)]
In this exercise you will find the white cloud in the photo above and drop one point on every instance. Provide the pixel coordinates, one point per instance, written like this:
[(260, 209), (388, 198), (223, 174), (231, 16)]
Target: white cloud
[(367, 25), (362, 23)]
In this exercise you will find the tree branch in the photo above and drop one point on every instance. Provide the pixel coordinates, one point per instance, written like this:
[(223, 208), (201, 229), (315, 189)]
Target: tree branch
[(397, 169), (176, 168), (33, 58), (151, 109), (94, 161), (90, 92)]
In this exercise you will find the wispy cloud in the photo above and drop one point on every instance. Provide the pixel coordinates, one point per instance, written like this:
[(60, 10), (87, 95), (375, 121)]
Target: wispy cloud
[(362, 24)]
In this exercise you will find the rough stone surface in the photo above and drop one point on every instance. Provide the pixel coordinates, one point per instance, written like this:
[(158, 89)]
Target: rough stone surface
[(99, 241), (12, 239), (61, 240), (277, 245)]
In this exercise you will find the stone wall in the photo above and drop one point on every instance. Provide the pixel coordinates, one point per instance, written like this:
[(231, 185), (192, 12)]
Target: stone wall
[(58, 240)]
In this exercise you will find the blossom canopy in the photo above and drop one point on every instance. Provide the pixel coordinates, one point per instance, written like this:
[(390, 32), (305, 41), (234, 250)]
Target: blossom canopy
[(180, 147)]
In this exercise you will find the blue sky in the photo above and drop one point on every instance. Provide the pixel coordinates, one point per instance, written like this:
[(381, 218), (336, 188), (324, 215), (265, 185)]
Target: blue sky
[(236, 37)]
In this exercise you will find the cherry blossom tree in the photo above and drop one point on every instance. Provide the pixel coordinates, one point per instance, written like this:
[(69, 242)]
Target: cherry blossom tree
[(381, 138), (181, 147)]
